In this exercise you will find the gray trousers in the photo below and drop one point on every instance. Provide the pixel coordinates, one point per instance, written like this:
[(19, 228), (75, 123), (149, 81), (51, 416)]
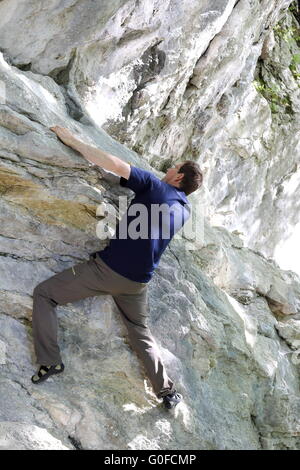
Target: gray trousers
[(87, 279)]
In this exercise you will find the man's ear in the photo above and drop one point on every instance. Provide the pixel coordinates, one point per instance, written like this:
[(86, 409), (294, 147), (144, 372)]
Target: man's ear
[(179, 177)]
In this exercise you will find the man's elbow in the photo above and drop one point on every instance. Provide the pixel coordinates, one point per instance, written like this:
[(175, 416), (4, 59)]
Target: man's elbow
[(122, 169)]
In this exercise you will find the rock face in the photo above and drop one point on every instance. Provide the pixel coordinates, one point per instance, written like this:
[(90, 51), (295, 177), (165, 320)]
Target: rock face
[(153, 82)]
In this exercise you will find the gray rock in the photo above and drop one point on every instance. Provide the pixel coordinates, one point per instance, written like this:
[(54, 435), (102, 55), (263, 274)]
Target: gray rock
[(20, 436), (153, 84)]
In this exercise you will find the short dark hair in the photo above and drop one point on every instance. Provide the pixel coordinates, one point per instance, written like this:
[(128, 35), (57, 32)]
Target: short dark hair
[(193, 176)]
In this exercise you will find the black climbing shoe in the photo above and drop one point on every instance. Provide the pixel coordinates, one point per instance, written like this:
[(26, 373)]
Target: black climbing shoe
[(45, 372), (171, 400)]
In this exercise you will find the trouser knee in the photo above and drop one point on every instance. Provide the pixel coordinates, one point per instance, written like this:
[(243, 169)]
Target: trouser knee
[(37, 290), (41, 289)]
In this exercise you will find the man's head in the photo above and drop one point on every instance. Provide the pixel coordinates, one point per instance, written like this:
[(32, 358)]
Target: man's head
[(186, 176)]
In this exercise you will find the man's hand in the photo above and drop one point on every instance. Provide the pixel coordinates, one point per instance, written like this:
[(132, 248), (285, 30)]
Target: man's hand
[(64, 135)]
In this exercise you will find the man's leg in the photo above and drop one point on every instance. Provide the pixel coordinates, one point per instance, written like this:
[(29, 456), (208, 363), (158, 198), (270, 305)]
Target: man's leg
[(92, 278), (75, 283), (133, 309)]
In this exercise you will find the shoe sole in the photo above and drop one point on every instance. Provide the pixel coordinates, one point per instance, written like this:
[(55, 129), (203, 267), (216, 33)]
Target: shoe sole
[(46, 376), (172, 405)]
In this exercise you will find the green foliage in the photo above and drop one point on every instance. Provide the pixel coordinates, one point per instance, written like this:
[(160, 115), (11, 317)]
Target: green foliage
[(291, 35), (296, 58), (272, 95), (286, 34), (292, 7), (293, 66), (271, 92)]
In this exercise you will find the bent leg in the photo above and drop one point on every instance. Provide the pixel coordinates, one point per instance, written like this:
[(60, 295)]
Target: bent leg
[(133, 309), (72, 284)]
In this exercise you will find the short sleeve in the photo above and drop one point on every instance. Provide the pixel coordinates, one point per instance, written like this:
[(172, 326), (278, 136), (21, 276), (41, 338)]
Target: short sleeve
[(139, 180)]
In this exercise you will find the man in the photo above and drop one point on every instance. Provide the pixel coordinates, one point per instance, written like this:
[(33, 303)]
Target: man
[(122, 269)]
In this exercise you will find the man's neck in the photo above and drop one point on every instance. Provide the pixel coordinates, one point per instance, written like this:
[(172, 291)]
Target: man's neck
[(175, 186)]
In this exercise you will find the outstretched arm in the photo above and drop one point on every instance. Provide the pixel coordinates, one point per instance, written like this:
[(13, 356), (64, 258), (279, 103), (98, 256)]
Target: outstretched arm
[(93, 154)]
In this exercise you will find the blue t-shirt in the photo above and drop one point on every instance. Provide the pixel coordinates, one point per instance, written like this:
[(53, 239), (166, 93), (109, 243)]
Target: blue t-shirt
[(137, 258)]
